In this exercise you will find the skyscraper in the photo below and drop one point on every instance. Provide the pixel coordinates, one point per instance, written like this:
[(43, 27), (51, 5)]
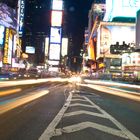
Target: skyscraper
[(36, 27)]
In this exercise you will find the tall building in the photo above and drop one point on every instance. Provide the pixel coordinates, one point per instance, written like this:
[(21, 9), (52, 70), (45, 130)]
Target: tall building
[(36, 28), (9, 57)]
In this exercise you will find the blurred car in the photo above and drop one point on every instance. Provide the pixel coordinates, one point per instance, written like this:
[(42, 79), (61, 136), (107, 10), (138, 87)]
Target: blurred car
[(8, 76)]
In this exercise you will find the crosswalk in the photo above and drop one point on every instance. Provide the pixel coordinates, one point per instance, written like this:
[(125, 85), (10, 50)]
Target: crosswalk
[(75, 101)]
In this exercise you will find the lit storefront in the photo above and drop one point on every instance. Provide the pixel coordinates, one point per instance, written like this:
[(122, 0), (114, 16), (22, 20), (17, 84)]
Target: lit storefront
[(131, 66)]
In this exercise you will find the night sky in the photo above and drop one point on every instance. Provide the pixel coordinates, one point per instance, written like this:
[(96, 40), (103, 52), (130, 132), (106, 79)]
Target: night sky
[(77, 20)]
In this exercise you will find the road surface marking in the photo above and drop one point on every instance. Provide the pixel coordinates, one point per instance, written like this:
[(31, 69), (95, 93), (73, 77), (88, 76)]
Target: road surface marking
[(130, 135), (84, 125), (50, 131), (84, 112), (84, 105), (79, 100)]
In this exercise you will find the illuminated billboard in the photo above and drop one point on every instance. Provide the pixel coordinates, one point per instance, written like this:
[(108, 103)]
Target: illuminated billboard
[(7, 56), (30, 50), (46, 46), (10, 47), (138, 30), (57, 5), (21, 15), (2, 29), (131, 59), (64, 50), (111, 33), (54, 52), (55, 36), (121, 8), (99, 8), (56, 18), (1, 56), (8, 16)]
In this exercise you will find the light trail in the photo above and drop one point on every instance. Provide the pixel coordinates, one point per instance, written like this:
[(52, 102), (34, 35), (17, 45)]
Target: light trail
[(111, 83), (129, 95), (11, 91), (22, 100), (28, 82)]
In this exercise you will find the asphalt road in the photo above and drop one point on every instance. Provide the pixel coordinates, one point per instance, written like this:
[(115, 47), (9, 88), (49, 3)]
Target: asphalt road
[(56, 111)]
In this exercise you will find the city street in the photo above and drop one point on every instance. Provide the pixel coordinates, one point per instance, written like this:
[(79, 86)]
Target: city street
[(58, 111)]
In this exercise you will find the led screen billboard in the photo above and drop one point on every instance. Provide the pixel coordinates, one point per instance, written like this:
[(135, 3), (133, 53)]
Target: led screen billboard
[(7, 16), (1, 36), (121, 8), (46, 46), (57, 5), (30, 50), (56, 18), (110, 33), (55, 36), (54, 52), (64, 50)]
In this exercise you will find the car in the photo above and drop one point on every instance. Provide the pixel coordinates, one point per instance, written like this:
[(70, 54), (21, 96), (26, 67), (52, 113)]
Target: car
[(8, 76)]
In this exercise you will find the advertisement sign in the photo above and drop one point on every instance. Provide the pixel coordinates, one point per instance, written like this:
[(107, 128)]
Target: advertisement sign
[(64, 50), (131, 59), (57, 5), (10, 47), (1, 56), (46, 46), (30, 50), (54, 52), (138, 30), (55, 36), (21, 16), (86, 35), (7, 16), (112, 33), (99, 8), (2, 29), (121, 8), (7, 47), (56, 18)]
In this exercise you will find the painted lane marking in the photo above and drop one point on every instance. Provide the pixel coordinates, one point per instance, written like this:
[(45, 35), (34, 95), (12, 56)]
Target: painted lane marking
[(130, 135), (84, 125), (50, 130), (79, 100), (84, 105), (84, 112)]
